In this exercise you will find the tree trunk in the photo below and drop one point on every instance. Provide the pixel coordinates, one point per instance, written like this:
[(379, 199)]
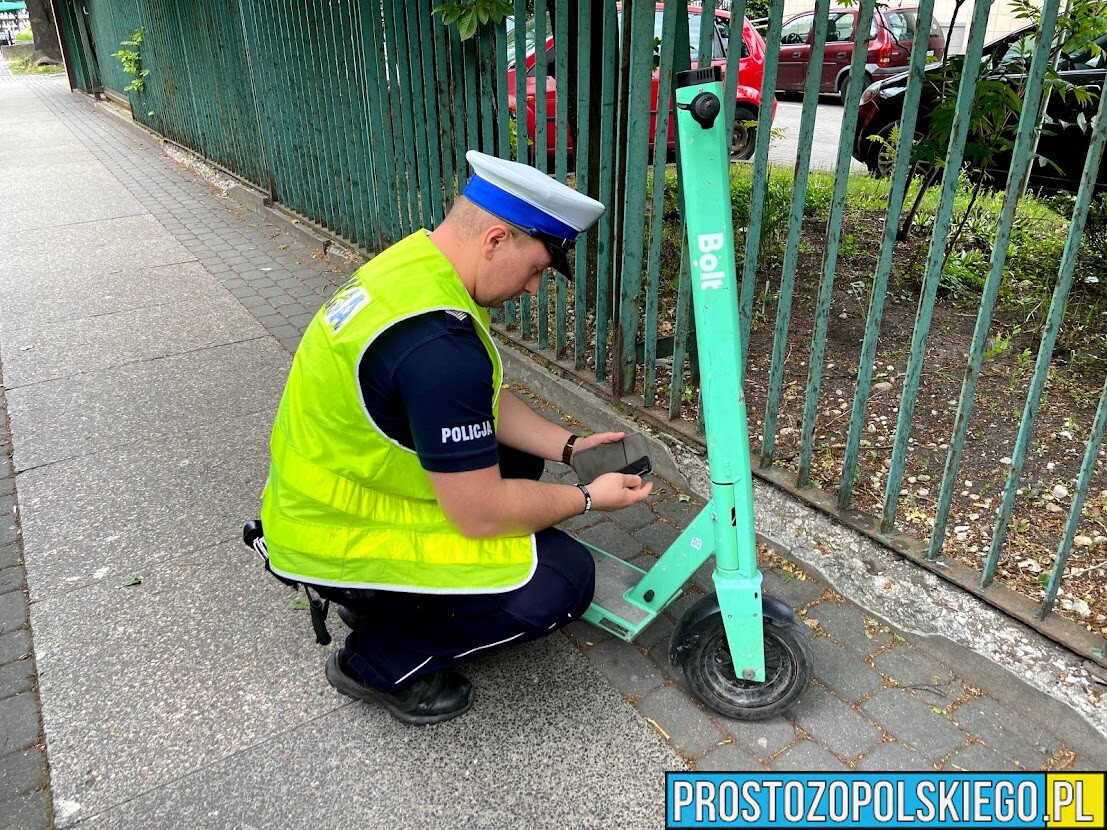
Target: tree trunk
[(45, 31)]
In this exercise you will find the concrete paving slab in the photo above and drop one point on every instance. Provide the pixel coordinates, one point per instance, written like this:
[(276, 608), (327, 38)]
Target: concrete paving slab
[(24, 107), (133, 241), (134, 403), (89, 519), (43, 352), (143, 684), (529, 754), (68, 296), (89, 193), (19, 134), (24, 157)]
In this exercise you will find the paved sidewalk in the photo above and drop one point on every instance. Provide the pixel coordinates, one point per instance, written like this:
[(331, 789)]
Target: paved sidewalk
[(146, 324)]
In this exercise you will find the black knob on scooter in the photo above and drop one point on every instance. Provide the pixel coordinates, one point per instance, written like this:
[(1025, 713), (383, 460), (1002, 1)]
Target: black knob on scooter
[(705, 108)]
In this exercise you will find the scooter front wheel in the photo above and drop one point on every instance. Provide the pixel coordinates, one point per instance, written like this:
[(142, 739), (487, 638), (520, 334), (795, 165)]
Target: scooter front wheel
[(710, 671)]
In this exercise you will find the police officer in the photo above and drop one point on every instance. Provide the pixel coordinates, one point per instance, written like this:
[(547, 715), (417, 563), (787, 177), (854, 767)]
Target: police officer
[(403, 479)]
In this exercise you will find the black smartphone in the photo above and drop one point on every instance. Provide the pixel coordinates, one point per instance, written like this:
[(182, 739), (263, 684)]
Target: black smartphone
[(640, 467), (629, 455)]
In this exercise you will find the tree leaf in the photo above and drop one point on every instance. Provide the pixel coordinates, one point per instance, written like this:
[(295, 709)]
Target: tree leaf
[(467, 24), (134, 580)]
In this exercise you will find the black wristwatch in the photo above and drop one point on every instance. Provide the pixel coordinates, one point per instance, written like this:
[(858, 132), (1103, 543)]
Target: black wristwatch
[(567, 450)]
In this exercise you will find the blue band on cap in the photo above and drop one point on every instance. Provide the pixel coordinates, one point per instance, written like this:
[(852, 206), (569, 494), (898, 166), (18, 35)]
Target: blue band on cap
[(513, 209)]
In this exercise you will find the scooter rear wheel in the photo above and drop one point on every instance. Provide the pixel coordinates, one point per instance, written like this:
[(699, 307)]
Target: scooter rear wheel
[(710, 671)]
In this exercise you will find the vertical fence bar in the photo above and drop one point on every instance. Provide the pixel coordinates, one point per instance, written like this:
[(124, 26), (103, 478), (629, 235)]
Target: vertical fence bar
[(487, 99), (541, 154), (637, 150), (471, 98), (504, 132), (419, 29), (334, 75), (795, 229), (605, 232), (879, 291), (582, 270), (378, 119), (561, 153), (706, 48), (522, 113), (248, 44), (364, 192), (736, 40), (414, 20), (1020, 165), (290, 184), (684, 333), (446, 128), (307, 154), (958, 135), (660, 151), (1049, 338), (833, 239), (457, 93), (759, 187), (323, 93), (1076, 512), (399, 94)]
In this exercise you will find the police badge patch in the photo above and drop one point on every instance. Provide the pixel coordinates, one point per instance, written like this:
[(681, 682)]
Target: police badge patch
[(347, 301)]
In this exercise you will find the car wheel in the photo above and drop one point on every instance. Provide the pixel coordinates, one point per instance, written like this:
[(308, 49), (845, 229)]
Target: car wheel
[(743, 140), (843, 85), (881, 157)]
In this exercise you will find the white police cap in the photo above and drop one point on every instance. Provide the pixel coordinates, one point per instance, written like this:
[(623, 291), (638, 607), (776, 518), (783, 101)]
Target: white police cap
[(543, 207)]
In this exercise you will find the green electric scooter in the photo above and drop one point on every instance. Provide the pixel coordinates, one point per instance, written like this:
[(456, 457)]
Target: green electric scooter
[(744, 654)]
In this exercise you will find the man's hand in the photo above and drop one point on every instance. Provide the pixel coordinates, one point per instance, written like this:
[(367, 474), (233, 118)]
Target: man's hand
[(596, 440), (614, 491)]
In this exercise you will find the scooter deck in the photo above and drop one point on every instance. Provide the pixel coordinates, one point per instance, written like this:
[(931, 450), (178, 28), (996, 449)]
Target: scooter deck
[(610, 609)]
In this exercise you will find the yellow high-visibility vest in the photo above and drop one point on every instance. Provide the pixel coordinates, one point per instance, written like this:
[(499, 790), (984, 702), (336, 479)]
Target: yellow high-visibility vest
[(345, 505)]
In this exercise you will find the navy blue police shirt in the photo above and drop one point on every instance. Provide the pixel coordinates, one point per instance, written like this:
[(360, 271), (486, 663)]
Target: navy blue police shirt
[(427, 384)]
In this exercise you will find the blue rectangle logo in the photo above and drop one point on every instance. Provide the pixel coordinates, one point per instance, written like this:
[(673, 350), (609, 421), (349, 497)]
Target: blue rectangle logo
[(885, 800)]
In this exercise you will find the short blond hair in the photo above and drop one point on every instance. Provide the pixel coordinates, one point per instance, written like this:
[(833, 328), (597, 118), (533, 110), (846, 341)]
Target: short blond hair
[(471, 220)]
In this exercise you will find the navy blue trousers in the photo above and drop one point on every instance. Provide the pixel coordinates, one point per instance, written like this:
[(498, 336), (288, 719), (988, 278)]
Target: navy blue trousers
[(401, 636)]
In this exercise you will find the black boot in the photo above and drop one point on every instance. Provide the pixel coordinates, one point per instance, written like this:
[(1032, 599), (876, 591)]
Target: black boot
[(432, 698)]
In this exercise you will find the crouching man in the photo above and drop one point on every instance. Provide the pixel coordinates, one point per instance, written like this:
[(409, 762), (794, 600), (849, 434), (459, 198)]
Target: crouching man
[(404, 478)]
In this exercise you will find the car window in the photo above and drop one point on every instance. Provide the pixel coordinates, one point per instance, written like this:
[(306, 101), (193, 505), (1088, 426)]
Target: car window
[(797, 31), (900, 24), (722, 28), (1090, 56), (528, 34), (840, 27), (717, 51)]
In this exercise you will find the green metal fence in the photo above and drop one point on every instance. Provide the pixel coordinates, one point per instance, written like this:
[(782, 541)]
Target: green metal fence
[(357, 116)]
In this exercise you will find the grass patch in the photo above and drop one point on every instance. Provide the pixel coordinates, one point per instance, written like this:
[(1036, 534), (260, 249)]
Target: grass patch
[(26, 66)]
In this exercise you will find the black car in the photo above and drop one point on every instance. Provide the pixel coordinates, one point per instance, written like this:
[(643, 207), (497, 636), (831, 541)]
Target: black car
[(1064, 141)]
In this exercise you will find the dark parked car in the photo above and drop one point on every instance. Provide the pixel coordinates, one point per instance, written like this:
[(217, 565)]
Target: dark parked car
[(892, 36), (1065, 137)]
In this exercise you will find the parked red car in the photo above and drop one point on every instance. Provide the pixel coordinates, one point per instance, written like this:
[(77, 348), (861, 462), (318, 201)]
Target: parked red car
[(892, 36), (748, 95)]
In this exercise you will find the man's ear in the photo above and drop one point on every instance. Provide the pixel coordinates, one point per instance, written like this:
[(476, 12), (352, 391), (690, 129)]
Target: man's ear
[(493, 237)]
